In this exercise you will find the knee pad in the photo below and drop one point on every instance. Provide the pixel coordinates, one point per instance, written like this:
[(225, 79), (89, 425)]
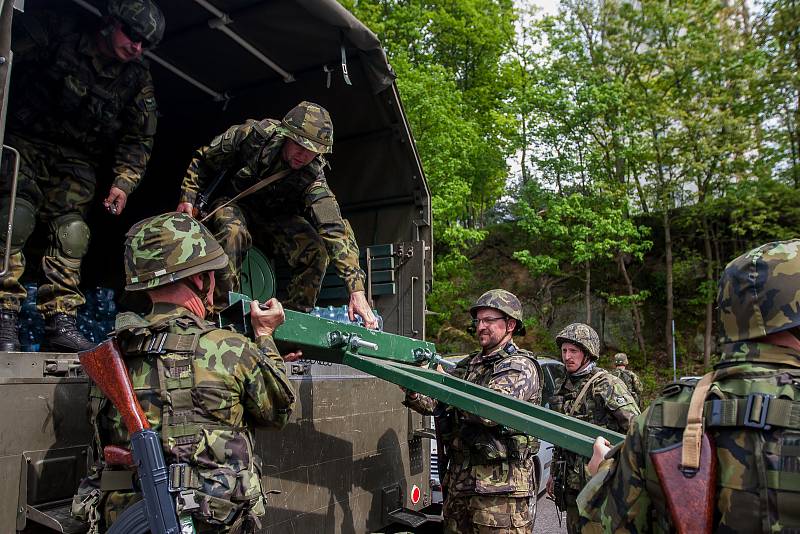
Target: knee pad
[(69, 237), (24, 221)]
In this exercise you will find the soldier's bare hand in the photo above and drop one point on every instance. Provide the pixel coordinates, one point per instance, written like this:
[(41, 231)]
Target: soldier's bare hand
[(115, 201), (266, 317), (599, 450), (359, 305), (185, 207), (550, 487), (293, 356)]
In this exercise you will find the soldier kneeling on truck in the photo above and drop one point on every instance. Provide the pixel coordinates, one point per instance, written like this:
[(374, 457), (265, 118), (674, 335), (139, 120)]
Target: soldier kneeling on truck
[(268, 178)]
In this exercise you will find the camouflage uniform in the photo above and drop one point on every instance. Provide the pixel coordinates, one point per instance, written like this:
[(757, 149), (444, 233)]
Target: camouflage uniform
[(607, 403), (490, 477), (70, 107), (758, 473), (630, 378), (297, 216), (203, 391)]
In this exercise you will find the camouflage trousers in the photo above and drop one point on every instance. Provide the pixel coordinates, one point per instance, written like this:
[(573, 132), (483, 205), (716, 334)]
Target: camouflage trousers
[(487, 514), (57, 181), (293, 237)]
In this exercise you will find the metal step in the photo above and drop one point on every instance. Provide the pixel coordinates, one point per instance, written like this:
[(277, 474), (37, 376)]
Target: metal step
[(408, 518), (56, 516)]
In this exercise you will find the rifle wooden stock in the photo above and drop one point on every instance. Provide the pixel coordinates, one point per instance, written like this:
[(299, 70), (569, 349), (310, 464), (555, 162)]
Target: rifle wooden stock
[(115, 455), (104, 365), (690, 494)]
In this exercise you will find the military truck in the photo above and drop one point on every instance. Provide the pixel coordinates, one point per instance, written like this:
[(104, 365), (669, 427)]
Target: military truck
[(352, 458)]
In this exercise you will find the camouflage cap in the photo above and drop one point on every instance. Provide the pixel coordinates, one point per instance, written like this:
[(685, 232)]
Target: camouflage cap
[(165, 248), (309, 125), (620, 358), (142, 16), (503, 301), (582, 335), (759, 292)]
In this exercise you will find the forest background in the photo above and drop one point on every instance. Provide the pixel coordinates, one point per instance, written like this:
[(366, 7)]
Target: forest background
[(604, 163)]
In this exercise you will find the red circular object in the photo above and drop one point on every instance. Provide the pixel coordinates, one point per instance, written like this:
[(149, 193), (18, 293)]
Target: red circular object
[(415, 494)]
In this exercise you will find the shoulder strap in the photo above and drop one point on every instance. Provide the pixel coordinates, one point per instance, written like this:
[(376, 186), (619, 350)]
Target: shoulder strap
[(584, 391), (693, 433), (249, 191)]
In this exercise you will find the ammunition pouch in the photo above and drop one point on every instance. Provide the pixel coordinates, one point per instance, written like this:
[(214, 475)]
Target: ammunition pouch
[(497, 444), (484, 445)]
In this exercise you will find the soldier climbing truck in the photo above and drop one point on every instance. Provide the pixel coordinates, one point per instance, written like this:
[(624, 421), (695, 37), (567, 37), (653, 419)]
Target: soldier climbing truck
[(352, 458)]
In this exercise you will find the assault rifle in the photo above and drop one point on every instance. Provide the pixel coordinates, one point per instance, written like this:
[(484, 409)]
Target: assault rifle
[(157, 510)]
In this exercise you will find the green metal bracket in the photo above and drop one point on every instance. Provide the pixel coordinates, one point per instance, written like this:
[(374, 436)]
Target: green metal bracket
[(397, 359)]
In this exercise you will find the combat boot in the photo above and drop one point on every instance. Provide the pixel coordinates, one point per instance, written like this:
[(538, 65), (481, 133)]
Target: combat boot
[(9, 331), (61, 334)]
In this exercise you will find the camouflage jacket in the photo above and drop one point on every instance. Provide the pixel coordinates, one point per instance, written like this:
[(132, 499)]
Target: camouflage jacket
[(608, 403), (250, 152), (485, 458), (758, 472), (204, 402), (64, 91), (631, 380)]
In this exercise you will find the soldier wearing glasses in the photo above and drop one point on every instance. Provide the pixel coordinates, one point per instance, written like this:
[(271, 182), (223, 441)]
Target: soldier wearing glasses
[(79, 97), (489, 482)]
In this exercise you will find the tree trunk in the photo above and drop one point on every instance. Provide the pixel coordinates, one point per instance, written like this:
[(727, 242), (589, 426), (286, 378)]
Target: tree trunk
[(707, 340), (588, 294), (668, 261), (637, 319)]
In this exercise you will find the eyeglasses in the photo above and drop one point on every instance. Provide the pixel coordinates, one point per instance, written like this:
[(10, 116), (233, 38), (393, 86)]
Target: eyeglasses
[(134, 36), (487, 320)]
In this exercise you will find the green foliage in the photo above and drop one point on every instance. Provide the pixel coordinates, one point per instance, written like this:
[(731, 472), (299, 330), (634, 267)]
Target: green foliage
[(626, 120)]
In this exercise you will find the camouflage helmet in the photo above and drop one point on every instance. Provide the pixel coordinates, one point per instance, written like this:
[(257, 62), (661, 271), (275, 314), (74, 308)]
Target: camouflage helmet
[(759, 292), (503, 301), (582, 335), (165, 248), (142, 16), (309, 125), (620, 358)]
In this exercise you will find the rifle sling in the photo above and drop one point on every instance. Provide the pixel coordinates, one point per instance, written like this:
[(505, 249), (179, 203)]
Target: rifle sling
[(693, 433), (249, 191), (583, 392)]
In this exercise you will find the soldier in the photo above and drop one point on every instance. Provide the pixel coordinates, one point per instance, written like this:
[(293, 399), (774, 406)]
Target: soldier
[(202, 388), (297, 215), (76, 98), (748, 406), (490, 478), (630, 378), (591, 394)]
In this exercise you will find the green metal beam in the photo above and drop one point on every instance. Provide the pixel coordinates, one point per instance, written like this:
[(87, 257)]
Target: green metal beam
[(561, 430)]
